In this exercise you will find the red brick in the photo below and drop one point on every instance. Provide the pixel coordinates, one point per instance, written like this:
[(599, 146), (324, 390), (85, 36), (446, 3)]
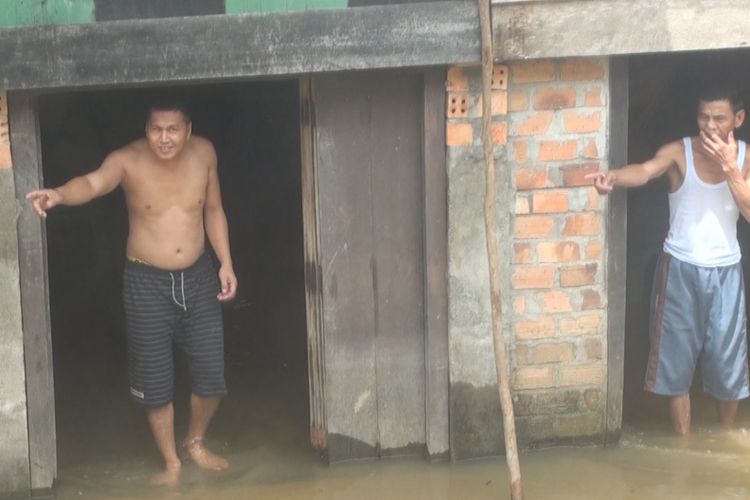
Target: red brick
[(533, 226), (558, 151), (591, 300), (549, 201), (459, 134), (555, 301), (590, 151), (593, 398), (533, 377), (551, 353), (593, 97), (499, 132), (581, 325), (587, 374), (580, 69), (499, 105), (532, 71), (533, 277), (518, 100), (582, 225), (594, 249), (582, 123), (499, 77), (522, 253), (555, 98), (527, 178), (521, 150), (457, 104), (565, 251), (578, 275), (576, 176), (5, 160), (537, 123), (457, 80), (593, 349), (534, 329)]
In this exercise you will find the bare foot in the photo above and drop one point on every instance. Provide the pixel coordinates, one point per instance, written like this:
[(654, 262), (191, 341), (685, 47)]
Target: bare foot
[(169, 477), (202, 457)]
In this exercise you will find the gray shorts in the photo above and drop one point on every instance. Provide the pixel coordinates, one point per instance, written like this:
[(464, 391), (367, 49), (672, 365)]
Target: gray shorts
[(167, 308), (698, 313)]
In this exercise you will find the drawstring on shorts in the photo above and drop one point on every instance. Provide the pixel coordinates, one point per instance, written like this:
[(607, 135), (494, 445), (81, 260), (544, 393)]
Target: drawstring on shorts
[(182, 290)]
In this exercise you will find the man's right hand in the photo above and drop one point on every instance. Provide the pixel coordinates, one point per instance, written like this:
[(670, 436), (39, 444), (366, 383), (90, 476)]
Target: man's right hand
[(43, 199), (604, 182)]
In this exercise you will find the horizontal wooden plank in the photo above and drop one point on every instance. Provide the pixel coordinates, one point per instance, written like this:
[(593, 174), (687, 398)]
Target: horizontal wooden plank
[(529, 30), (239, 46)]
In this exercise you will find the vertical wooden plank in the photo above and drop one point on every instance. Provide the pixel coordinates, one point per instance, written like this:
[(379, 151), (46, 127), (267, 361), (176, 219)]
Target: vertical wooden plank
[(14, 441), (368, 154), (24, 129), (436, 265), (616, 230), (312, 269), (342, 155), (395, 115)]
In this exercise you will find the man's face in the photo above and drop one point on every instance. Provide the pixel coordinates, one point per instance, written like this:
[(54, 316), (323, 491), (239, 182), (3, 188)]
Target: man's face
[(167, 133), (717, 118)]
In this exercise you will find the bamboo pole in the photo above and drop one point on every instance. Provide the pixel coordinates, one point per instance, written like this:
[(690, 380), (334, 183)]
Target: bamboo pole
[(501, 363)]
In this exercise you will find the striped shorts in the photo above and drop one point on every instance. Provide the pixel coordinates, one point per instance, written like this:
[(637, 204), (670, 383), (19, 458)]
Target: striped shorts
[(167, 308), (698, 313)]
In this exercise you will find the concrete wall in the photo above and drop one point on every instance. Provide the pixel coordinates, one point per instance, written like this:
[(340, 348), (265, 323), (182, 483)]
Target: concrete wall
[(14, 442), (549, 127)]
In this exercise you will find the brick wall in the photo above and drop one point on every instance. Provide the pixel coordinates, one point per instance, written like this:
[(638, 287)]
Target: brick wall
[(549, 127)]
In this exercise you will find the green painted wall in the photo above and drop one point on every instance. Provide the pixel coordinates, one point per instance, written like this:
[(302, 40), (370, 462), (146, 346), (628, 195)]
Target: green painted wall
[(36, 12), (242, 6)]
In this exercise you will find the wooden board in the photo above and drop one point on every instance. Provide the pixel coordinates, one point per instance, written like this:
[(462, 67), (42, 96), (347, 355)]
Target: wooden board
[(616, 225), (32, 249), (369, 162), (436, 265), (112, 10), (238, 46)]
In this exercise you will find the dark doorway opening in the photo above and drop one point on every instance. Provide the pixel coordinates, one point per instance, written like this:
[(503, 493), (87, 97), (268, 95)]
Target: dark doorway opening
[(663, 90), (255, 129)]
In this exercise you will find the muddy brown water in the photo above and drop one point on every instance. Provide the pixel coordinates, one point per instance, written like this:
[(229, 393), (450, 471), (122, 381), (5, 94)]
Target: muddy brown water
[(267, 446)]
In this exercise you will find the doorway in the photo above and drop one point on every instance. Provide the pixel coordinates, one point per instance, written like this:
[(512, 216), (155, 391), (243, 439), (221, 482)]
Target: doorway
[(255, 128), (662, 95)]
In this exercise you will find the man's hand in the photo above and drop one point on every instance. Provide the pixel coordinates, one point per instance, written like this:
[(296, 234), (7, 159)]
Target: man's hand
[(724, 152), (228, 283), (43, 199), (604, 182)]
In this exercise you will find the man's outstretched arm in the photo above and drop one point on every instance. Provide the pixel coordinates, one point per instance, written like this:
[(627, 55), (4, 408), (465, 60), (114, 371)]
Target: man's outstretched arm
[(82, 189), (636, 174)]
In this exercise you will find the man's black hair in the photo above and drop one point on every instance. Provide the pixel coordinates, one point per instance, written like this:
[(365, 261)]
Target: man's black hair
[(169, 103), (722, 93)]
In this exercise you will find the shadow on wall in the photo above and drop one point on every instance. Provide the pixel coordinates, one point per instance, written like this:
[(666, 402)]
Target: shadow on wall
[(663, 94)]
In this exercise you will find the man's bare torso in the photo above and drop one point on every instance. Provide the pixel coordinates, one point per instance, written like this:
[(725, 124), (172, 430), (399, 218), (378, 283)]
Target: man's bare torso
[(166, 203)]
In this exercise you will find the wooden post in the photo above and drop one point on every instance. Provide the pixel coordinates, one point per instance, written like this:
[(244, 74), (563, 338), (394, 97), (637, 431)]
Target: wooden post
[(501, 363)]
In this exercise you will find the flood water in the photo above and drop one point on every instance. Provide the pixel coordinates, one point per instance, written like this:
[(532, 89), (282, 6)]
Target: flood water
[(262, 430)]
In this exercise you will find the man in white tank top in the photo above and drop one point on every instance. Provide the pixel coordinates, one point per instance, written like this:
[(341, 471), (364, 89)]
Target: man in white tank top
[(698, 304)]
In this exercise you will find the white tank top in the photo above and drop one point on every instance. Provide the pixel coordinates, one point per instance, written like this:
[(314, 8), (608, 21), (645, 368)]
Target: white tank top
[(703, 218)]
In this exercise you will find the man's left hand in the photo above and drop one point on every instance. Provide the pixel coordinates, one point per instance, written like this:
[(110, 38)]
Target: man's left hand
[(228, 283)]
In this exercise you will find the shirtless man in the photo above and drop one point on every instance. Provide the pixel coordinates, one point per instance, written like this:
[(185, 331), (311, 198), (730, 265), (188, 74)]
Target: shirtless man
[(171, 293), (698, 303)]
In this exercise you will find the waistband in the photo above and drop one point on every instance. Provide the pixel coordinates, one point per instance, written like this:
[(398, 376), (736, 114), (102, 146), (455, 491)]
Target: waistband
[(137, 266)]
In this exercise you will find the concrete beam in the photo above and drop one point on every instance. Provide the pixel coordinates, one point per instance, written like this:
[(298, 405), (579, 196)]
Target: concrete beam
[(239, 46), (565, 28)]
